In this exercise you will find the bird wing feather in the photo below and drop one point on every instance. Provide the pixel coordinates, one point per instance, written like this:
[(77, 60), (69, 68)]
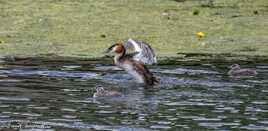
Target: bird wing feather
[(143, 51)]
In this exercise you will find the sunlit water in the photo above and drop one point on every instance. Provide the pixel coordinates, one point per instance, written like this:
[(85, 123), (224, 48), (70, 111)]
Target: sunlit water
[(51, 95)]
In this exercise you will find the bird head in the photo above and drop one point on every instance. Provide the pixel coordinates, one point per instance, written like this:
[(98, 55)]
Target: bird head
[(99, 89), (117, 48), (235, 66)]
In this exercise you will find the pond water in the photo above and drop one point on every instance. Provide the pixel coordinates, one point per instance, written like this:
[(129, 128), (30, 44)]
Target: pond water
[(56, 94)]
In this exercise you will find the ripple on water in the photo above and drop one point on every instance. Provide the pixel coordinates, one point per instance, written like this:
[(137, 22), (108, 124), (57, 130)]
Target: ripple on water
[(65, 120), (14, 99), (187, 103), (72, 125), (256, 81), (255, 109), (36, 129), (71, 90), (117, 78), (54, 123), (9, 80), (23, 114), (264, 122), (182, 126), (105, 112), (3, 76), (4, 116), (31, 114), (68, 109), (4, 71), (226, 89), (160, 127), (254, 127), (69, 116), (264, 91), (80, 101), (184, 71), (194, 93), (208, 83), (231, 109), (107, 68), (218, 124), (262, 67), (259, 102), (164, 122), (40, 107), (51, 73), (70, 67), (106, 106), (4, 106), (206, 119)]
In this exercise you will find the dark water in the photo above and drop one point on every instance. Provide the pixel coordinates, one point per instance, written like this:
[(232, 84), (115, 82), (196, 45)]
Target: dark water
[(55, 94)]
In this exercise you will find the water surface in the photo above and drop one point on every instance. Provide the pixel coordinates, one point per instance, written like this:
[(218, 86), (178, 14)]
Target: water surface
[(57, 94)]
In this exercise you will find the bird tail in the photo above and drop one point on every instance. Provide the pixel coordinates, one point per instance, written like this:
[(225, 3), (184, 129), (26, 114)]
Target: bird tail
[(156, 80)]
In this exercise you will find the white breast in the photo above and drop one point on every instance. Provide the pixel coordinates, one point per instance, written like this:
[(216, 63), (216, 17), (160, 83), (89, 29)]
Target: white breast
[(129, 69)]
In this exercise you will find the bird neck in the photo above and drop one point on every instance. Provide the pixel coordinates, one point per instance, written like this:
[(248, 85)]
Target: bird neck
[(119, 56)]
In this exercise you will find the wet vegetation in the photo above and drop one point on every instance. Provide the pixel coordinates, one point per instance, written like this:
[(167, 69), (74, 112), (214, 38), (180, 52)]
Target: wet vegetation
[(86, 28)]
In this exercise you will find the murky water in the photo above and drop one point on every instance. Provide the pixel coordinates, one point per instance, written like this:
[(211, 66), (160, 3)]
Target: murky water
[(57, 94)]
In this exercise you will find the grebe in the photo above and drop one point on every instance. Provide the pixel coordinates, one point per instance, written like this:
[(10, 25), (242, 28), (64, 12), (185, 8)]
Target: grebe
[(236, 71), (132, 65), (100, 92)]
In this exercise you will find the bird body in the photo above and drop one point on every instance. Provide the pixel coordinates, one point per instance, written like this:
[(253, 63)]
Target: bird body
[(132, 66), (236, 71), (139, 71), (100, 92)]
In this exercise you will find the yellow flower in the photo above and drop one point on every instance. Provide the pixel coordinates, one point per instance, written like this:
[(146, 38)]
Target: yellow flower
[(200, 35)]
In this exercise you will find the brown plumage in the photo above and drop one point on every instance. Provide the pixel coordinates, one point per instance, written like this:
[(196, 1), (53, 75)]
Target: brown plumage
[(135, 68), (140, 68), (236, 71), (100, 92)]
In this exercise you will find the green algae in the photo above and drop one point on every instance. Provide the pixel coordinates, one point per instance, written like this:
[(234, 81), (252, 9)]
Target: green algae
[(84, 28)]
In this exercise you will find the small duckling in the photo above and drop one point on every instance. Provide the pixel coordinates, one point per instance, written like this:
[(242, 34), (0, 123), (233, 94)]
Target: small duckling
[(236, 71), (100, 92)]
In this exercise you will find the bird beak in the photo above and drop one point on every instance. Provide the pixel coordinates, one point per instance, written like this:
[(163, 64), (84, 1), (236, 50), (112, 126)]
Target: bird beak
[(109, 49), (106, 53)]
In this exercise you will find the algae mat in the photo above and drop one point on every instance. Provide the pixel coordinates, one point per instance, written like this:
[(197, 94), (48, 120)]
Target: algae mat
[(84, 28)]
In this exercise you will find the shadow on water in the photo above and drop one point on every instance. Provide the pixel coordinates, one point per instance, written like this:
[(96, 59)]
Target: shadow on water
[(57, 93)]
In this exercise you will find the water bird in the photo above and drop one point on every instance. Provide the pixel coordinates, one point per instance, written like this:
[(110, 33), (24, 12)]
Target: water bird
[(236, 71), (134, 64), (101, 92)]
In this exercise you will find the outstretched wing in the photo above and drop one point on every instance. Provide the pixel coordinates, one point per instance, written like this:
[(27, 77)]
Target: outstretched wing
[(143, 51)]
